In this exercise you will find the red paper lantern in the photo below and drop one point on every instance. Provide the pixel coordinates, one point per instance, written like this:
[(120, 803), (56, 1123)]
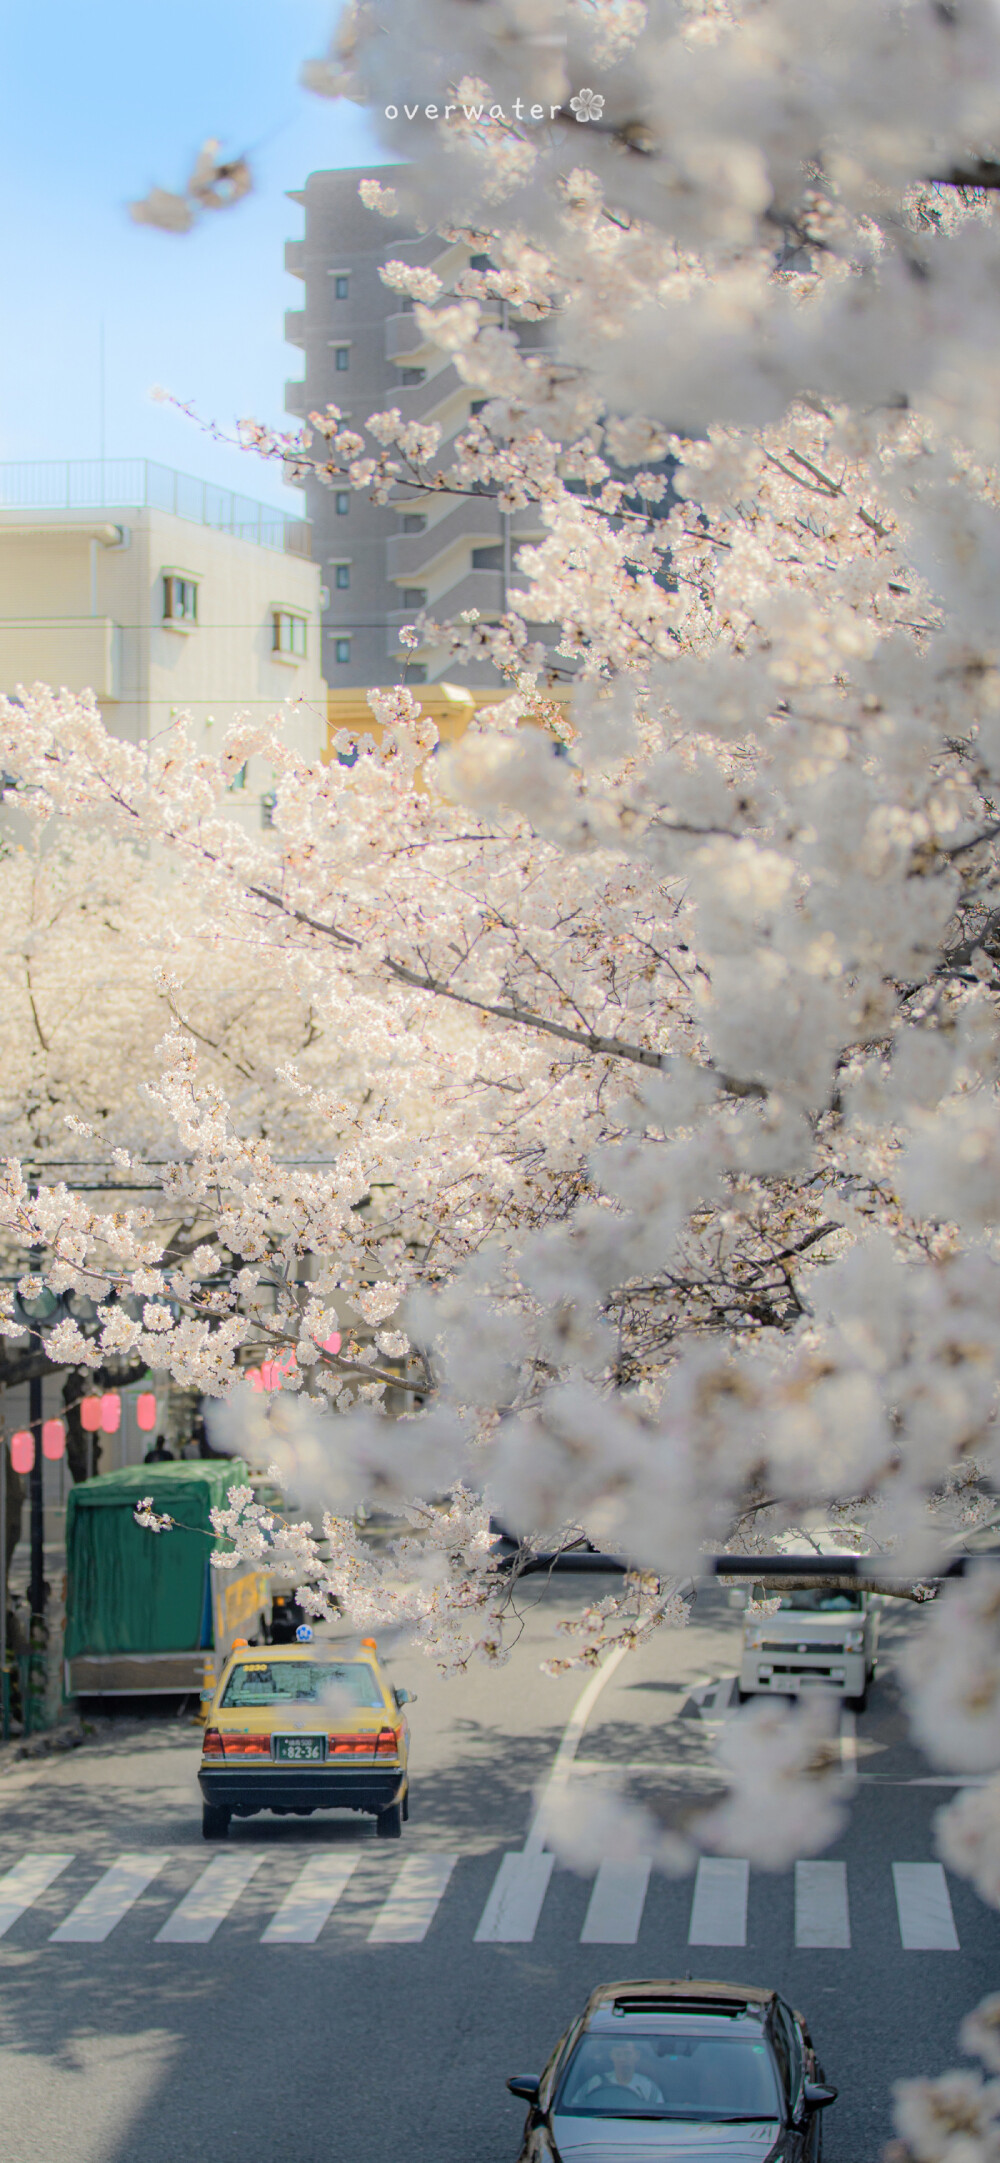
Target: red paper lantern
[(90, 1415), (53, 1439), (111, 1412), (22, 1450), (145, 1410)]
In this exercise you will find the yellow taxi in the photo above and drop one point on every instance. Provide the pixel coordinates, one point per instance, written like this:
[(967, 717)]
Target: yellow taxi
[(304, 1727)]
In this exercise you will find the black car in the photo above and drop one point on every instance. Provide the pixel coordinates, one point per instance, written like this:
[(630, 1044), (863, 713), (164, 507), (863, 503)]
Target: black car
[(646, 2064)]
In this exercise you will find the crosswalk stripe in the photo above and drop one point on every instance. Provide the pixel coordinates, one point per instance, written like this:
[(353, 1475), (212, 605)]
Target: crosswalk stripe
[(719, 1907), (511, 1914), (413, 1902), (199, 1914), (94, 1917), (923, 1904), (822, 1918), (22, 1885), (312, 1898), (616, 1903)]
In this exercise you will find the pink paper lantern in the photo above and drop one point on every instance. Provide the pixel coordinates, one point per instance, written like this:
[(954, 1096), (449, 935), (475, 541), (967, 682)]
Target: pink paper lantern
[(270, 1374), (22, 1450), (332, 1344), (145, 1410), (53, 1439), (254, 1379), (90, 1415), (111, 1412)]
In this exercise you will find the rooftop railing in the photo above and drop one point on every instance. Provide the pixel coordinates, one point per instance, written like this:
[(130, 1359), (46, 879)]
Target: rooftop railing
[(106, 484)]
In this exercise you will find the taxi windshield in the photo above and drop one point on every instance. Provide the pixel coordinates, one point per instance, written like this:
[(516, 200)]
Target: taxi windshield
[(302, 1682), (670, 2075)]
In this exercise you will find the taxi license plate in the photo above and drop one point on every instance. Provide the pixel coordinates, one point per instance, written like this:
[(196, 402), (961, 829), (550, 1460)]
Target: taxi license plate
[(300, 1749)]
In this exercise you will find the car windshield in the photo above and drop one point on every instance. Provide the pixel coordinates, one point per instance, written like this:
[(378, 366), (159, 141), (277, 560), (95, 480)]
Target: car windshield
[(670, 2074), (823, 1603), (345, 1684)]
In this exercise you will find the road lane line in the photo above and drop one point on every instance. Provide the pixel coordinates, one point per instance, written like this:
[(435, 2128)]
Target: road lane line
[(311, 1899), (413, 1902), (511, 1914), (558, 1779), (719, 1907), (94, 1917), (22, 1885), (821, 1912), (923, 1904), (199, 1914), (617, 1902)]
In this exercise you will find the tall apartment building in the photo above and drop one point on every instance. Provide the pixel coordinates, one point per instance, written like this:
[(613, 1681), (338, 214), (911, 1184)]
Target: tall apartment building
[(364, 353), (159, 593)]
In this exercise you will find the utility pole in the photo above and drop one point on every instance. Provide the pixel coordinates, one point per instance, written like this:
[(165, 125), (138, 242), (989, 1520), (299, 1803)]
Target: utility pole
[(36, 1581)]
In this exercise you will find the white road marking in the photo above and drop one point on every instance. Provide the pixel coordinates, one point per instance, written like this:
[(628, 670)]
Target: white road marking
[(511, 1914), (719, 1907), (714, 1700), (94, 1917), (311, 1899), (199, 1914), (616, 1903), (22, 1885), (413, 1902), (821, 1912), (558, 1778), (923, 1903)]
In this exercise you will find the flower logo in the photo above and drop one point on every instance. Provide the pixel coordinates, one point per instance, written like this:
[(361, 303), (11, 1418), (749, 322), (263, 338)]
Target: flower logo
[(587, 105)]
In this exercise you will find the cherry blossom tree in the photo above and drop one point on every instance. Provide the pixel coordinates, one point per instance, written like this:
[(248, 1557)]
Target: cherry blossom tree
[(663, 1113)]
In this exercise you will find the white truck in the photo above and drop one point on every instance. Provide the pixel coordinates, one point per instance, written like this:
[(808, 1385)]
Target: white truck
[(815, 1639)]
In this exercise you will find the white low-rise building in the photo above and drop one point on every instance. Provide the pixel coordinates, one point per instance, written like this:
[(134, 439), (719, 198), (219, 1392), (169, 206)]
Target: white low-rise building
[(161, 594)]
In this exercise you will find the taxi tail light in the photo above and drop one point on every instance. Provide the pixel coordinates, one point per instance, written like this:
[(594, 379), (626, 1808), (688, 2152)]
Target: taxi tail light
[(246, 1746), (351, 1745), (387, 1744), (212, 1743)]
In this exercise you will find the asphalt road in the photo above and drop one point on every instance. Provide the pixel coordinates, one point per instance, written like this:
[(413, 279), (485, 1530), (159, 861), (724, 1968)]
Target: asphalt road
[(362, 2047)]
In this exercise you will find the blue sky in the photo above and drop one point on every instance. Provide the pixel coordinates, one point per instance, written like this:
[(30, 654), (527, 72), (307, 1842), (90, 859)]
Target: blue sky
[(99, 100)]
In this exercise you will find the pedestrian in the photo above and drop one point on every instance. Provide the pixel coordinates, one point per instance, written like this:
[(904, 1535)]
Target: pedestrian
[(159, 1454)]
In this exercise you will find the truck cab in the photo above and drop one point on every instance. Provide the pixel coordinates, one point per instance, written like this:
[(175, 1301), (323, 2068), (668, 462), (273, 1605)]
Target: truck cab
[(815, 1638)]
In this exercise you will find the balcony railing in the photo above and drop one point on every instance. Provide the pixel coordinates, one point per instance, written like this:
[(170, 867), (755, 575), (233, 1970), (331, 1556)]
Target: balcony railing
[(108, 484)]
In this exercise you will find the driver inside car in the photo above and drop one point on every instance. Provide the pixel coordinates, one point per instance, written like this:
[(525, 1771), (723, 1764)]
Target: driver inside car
[(624, 2073)]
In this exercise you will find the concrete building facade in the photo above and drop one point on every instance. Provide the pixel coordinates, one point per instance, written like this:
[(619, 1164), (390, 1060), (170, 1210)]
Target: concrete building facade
[(382, 564), (160, 594)]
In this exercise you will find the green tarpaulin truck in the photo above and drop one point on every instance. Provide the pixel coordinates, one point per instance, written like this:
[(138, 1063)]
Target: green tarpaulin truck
[(145, 1612)]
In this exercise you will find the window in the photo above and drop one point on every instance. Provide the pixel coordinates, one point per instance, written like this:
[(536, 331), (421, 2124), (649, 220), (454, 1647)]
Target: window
[(478, 404), (413, 375), (416, 671), (690, 2072), (289, 634), (414, 522), (342, 651), (488, 559), (340, 285), (480, 262), (342, 577), (268, 803), (303, 1682), (414, 596), (792, 2048), (342, 357), (342, 502), (239, 781), (180, 599)]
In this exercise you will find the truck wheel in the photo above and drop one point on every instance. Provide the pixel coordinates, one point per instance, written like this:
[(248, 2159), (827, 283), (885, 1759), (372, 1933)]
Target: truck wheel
[(857, 1704), (743, 1696), (406, 1807), (389, 1823), (214, 1821)]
